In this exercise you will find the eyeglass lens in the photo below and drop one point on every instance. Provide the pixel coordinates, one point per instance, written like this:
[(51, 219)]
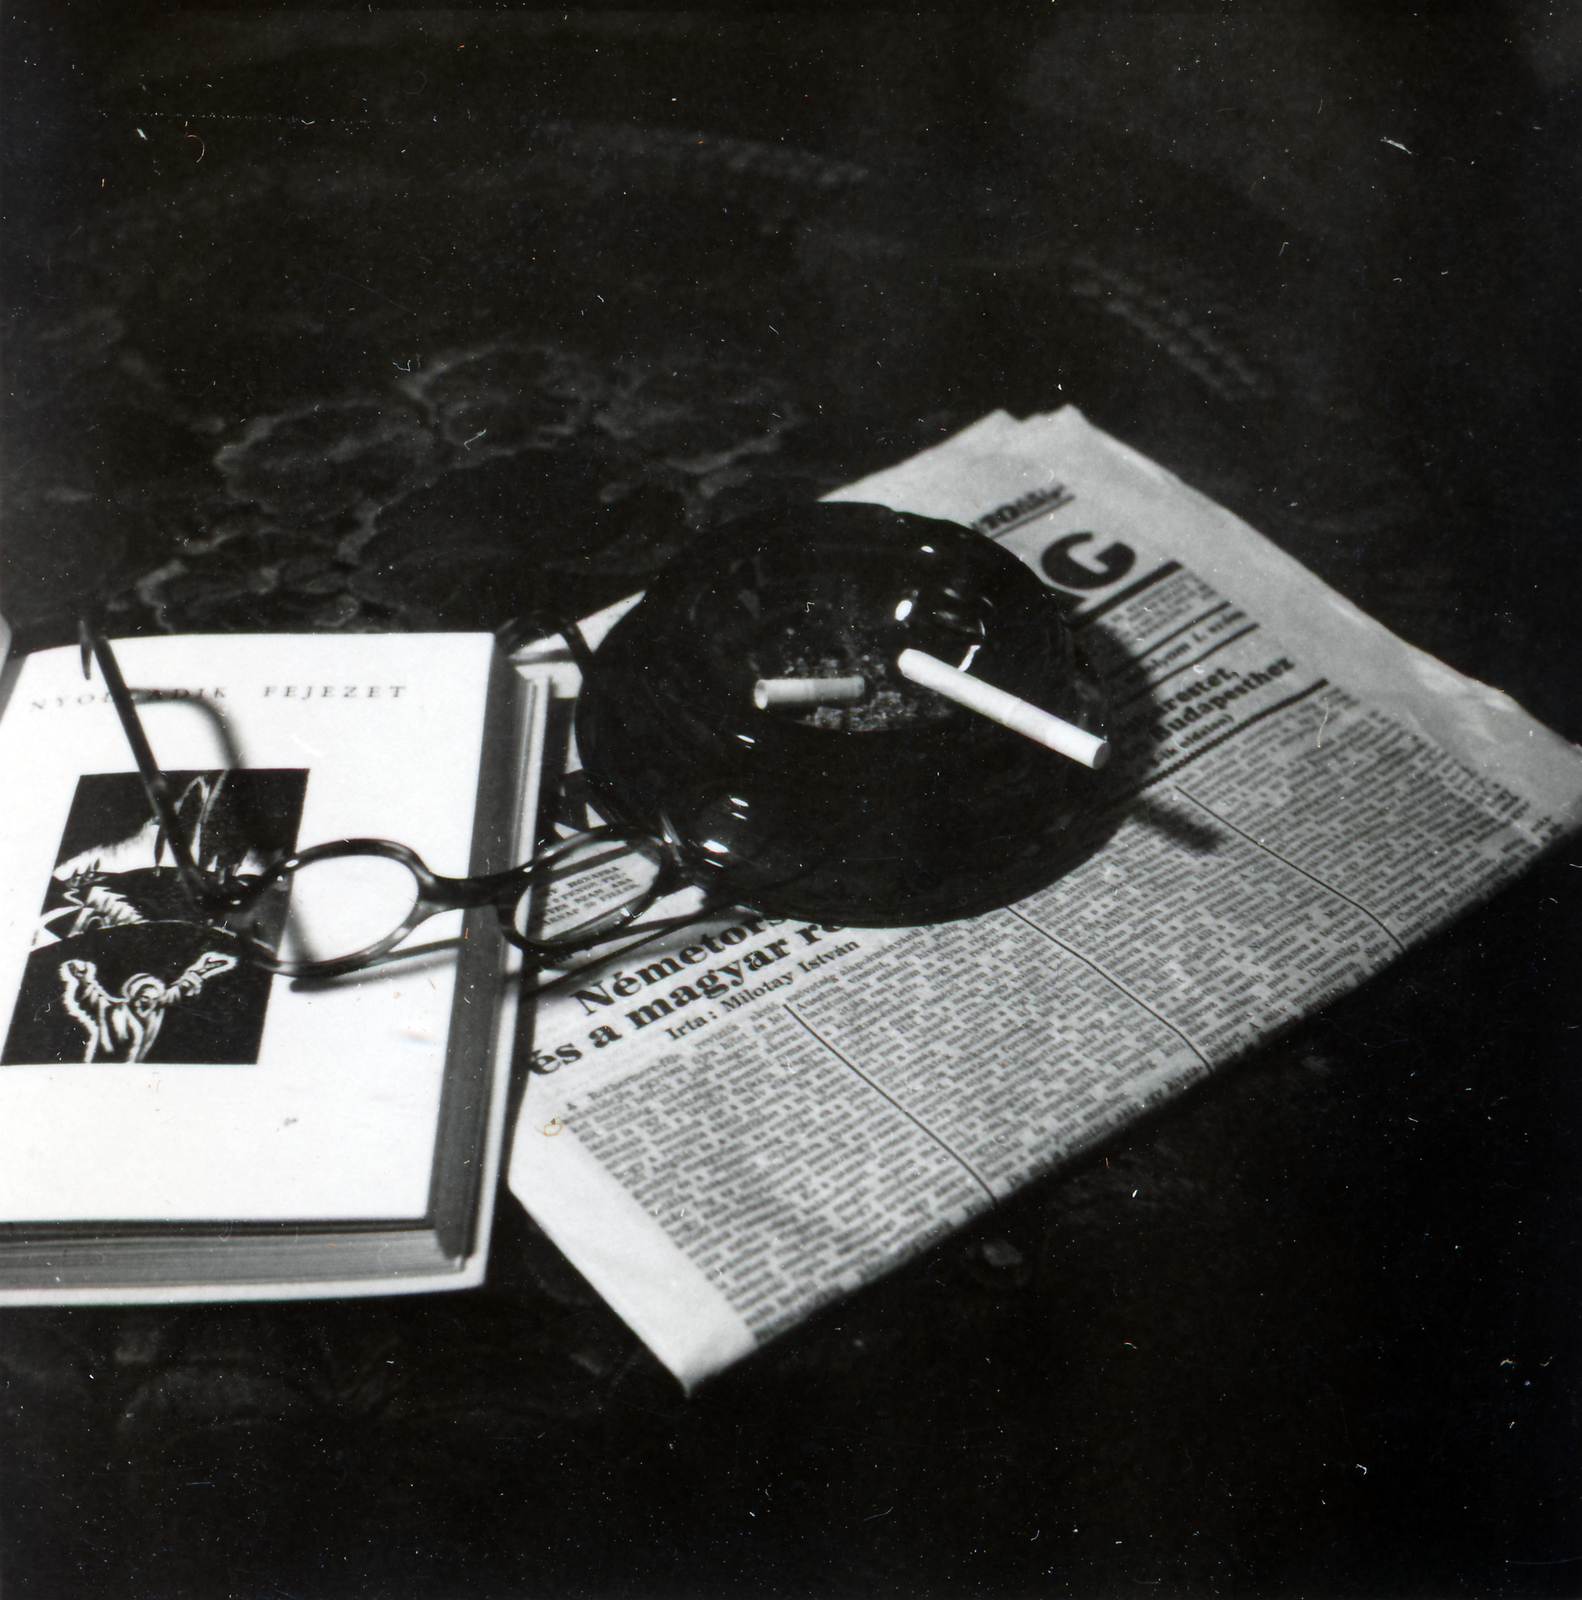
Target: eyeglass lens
[(589, 888), (344, 905)]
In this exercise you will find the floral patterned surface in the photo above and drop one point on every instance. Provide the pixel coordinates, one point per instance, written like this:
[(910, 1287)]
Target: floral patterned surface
[(330, 393)]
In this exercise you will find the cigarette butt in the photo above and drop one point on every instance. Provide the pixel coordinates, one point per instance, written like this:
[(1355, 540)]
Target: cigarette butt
[(998, 706), (808, 691)]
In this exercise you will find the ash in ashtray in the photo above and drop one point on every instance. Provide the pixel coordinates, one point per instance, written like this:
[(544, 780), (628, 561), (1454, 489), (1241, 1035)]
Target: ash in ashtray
[(891, 702)]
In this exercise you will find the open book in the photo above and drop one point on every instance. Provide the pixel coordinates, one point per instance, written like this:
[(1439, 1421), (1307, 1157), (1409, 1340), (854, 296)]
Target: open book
[(175, 1121), (731, 1128)]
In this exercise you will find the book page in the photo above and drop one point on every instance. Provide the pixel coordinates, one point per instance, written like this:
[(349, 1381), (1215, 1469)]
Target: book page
[(792, 1109), (139, 1081)]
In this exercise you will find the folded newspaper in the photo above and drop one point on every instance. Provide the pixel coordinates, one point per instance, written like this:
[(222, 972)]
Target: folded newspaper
[(729, 1129)]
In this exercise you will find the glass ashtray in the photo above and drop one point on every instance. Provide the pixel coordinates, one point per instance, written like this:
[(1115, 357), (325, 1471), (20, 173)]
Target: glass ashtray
[(895, 807)]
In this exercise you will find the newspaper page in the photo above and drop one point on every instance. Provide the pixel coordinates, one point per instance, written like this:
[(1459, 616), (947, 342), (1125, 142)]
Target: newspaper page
[(729, 1128)]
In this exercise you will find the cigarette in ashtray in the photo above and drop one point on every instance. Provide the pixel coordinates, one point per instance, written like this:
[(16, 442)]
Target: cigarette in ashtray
[(1005, 709), (769, 692)]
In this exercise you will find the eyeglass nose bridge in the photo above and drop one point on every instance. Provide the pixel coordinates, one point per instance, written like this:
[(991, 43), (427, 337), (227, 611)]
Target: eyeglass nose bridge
[(505, 891)]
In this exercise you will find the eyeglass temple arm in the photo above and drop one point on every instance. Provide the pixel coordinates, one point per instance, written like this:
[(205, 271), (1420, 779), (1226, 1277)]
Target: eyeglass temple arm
[(155, 785)]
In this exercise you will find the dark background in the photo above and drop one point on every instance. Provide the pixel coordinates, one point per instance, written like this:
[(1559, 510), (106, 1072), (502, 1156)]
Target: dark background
[(371, 319)]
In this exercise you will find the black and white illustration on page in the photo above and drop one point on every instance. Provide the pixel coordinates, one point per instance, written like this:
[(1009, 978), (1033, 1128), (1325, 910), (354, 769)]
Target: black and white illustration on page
[(121, 968)]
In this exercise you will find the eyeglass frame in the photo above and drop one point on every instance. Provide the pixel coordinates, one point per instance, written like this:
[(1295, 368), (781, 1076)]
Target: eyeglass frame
[(217, 897)]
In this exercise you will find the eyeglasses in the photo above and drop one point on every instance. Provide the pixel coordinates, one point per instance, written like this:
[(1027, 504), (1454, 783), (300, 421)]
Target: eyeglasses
[(340, 907)]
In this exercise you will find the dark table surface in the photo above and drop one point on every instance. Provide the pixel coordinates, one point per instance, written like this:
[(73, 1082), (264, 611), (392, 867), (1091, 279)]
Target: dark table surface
[(382, 320)]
